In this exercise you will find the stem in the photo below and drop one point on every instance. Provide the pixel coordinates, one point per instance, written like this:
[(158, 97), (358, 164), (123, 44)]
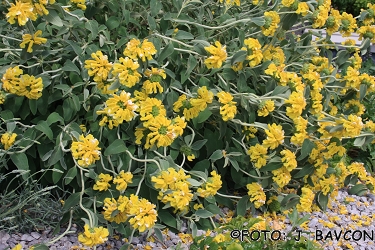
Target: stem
[(80, 200), (65, 232), (174, 40), (192, 136), (144, 160), (210, 27), (143, 178), (228, 196)]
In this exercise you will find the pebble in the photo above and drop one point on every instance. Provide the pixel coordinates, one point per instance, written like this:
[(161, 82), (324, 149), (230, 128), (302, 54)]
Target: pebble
[(345, 222)]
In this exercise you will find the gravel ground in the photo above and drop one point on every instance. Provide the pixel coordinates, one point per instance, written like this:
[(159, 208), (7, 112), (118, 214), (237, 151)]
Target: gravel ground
[(353, 216)]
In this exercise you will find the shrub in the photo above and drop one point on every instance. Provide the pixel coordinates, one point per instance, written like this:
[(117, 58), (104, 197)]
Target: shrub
[(353, 7), (154, 112)]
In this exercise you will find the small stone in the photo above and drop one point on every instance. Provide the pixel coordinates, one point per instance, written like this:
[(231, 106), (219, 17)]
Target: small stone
[(35, 235), (26, 237), (4, 237), (135, 240)]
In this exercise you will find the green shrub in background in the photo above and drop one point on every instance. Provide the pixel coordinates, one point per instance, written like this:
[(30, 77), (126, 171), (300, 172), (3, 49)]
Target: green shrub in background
[(152, 112), (353, 7)]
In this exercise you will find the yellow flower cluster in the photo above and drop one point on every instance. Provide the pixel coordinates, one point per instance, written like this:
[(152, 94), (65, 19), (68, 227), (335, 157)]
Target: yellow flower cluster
[(193, 106), (306, 200), (86, 150), (153, 84), (79, 3), (15, 82), (8, 140), (288, 159), (21, 12), (31, 40), (229, 109), (102, 184), (210, 187), (174, 189), (140, 212), (256, 194), (99, 67), (119, 108), (275, 136), (218, 55), (297, 105), (272, 21), (93, 236), (266, 107), (231, 2), (258, 155), (135, 49), (254, 52), (249, 132), (126, 71), (121, 180)]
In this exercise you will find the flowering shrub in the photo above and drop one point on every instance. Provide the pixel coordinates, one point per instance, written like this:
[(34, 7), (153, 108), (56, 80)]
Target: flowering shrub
[(153, 112)]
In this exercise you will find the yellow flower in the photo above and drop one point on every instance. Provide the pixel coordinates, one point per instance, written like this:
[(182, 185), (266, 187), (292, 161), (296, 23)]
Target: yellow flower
[(143, 213), (218, 55), (86, 150), (306, 200), (93, 236), (190, 111), (20, 11), (210, 187), (320, 17), (8, 140), (231, 2), (297, 105), (358, 169), (122, 180), (256, 194), (162, 132), (80, 4), (302, 9), (116, 210), (17, 247), (102, 184), (229, 110), (266, 107), (348, 24), (327, 184), (258, 155), (272, 20), (352, 125), (198, 206), (30, 87), (275, 136), (150, 109), (254, 52), (204, 97), (281, 176), (366, 32), (31, 40), (126, 71), (40, 7), (153, 84), (356, 106), (2, 97), (249, 132), (99, 67), (288, 159), (287, 3), (135, 49), (333, 22)]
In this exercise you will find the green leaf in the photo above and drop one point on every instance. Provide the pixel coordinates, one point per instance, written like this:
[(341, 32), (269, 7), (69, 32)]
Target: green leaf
[(307, 147), (243, 205), (202, 213), (72, 173), (167, 218), (289, 20), (53, 18), (21, 162), (240, 56), (359, 141), (54, 117), (183, 35), (362, 91), (203, 115), (194, 182), (198, 144), (306, 170), (151, 22), (167, 51), (258, 21), (193, 228), (271, 166), (43, 127), (33, 106), (280, 90), (159, 234), (359, 189), (40, 247), (192, 62), (112, 22), (56, 175), (290, 199), (155, 7), (322, 200), (342, 57), (72, 201), (93, 27), (218, 154), (116, 147), (56, 155)]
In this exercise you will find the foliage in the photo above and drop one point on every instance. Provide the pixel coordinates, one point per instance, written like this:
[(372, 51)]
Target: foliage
[(353, 7), (154, 112), (234, 235), (29, 208)]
